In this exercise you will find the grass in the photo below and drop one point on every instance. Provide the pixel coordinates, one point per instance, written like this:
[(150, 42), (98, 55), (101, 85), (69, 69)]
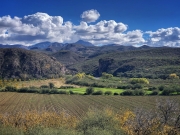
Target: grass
[(36, 83), (82, 90)]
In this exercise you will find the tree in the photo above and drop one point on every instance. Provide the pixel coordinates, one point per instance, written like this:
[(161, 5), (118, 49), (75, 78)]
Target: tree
[(89, 90), (80, 75), (173, 76), (51, 85), (167, 109), (106, 75), (139, 80)]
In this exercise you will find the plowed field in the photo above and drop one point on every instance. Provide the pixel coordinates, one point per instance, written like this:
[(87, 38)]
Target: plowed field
[(73, 104)]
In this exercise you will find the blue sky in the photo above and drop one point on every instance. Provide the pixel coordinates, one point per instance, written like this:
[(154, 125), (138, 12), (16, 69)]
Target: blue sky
[(125, 22)]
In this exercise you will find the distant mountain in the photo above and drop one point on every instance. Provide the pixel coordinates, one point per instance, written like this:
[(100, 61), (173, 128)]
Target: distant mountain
[(42, 45), (54, 47), (68, 57), (14, 46), (85, 43), (26, 64)]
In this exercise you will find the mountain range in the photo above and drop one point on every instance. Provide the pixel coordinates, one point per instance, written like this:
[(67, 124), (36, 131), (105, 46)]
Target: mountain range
[(81, 56)]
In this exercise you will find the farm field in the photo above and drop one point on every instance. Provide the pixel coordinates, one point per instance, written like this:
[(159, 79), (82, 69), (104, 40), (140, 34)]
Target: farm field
[(76, 105)]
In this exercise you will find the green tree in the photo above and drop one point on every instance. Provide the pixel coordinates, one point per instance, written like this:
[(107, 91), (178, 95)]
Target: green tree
[(106, 75), (51, 85), (89, 90)]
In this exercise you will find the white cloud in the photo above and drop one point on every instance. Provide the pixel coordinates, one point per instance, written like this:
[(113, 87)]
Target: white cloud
[(165, 37), (41, 27), (34, 28), (90, 15), (108, 32)]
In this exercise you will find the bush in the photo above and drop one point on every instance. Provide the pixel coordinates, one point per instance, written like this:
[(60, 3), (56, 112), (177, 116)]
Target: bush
[(10, 88), (54, 91), (66, 87), (7, 130), (99, 92), (89, 90), (115, 93), (44, 87), (63, 92), (23, 90), (161, 88), (127, 93), (139, 92), (167, 91), (44, 91), (152, 88), (50, 131), (139, 80), (51, 85), (108, 93), (137, 86), (99, 122), (71, 92), (155, 92)]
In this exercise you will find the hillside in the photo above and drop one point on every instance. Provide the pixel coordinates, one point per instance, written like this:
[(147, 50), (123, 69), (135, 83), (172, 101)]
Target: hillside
[(25, 64), (150, 63), (68, 57)]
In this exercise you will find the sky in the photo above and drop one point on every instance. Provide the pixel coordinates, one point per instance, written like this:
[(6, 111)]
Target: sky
[(101, 22)]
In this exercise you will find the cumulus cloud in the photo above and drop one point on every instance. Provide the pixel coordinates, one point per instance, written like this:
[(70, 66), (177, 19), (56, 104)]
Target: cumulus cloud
[(90, 15), (40, 27), (35, 28), (165, 37), (108, 32)]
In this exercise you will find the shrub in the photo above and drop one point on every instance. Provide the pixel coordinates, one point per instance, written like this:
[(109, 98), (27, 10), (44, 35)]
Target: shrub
[(71, 92), (32, 91), (152, 88), (173, 76), (139, 92), (8, 130), (54, 91), (10, 88), (137, 86), (51, 85), (63, 92), (108, 93), (106, 76), (139, 80), (155, 92), (127, 93), (23, 90), (44, 87), (89, 90), (167, 91), (99, 122), (99, 92), (66, 87), (44, 91), (161, 88), (115, 93)]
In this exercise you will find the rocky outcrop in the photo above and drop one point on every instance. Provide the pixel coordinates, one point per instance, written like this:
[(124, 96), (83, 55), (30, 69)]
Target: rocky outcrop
[(24, 64)]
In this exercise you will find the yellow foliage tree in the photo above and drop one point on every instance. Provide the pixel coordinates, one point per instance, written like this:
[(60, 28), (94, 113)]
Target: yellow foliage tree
[(173, 76)]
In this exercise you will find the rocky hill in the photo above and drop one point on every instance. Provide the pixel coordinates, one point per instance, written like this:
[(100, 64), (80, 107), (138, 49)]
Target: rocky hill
[(25, 64), (150, 63)]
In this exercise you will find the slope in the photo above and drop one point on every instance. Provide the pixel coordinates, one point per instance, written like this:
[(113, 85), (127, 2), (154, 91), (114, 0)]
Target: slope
[(25, 64)]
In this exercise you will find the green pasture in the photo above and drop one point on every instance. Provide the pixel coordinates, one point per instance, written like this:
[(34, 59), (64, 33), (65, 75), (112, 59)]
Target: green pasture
[(82, 90)]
